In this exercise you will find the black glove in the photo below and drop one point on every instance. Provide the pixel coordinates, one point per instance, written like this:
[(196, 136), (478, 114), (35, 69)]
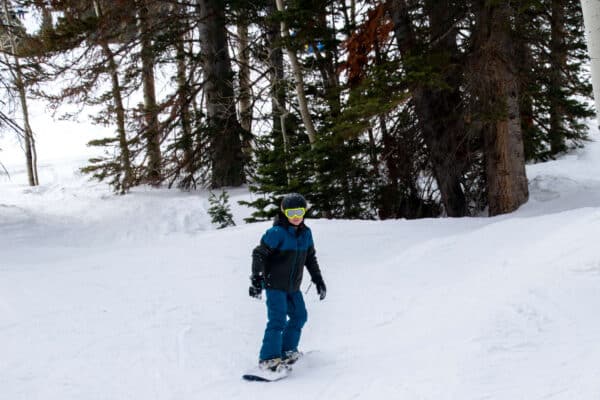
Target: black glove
[(321, 289), (256, 286)]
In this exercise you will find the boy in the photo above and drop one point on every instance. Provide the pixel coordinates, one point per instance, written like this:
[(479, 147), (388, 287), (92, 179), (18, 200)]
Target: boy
[(277, 266)]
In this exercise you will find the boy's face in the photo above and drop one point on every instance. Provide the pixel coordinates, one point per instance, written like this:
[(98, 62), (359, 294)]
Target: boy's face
[(295, 220)]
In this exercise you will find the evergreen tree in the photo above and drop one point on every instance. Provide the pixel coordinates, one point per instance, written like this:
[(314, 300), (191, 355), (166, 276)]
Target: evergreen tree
[(567, 87), (220, 210), (102, 33), (167, 138), (378, 108), (332, 167), (553, 87)]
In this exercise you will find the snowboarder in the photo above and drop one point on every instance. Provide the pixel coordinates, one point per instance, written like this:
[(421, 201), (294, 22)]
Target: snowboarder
[(277, 266)]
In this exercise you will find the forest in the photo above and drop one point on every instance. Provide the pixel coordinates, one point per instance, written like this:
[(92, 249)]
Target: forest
[(374, 109)]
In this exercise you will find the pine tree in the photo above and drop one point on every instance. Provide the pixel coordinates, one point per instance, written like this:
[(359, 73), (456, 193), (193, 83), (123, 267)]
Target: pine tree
[(566, 86), (274, 151), (387, 108), (220, 210), (101, 31), (551, 55), (326, 164)]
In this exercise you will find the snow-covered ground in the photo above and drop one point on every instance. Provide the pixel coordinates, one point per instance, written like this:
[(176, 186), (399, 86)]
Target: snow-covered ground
[(138, 297)]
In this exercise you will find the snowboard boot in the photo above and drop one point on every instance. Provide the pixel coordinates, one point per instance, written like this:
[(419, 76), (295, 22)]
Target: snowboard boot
[(272, 364), (291, 356)]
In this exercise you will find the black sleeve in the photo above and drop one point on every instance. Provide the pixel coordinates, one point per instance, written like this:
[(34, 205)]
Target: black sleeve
[(260, 255), (313, 265)]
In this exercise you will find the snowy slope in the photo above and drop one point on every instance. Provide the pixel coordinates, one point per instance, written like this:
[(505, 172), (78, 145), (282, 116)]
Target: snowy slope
[(139, 297)]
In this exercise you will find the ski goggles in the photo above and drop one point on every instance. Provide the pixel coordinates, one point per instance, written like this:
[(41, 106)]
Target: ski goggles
[(294, 212)]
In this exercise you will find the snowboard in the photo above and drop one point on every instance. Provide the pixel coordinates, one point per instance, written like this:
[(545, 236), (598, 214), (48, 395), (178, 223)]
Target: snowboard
[(258, 375)]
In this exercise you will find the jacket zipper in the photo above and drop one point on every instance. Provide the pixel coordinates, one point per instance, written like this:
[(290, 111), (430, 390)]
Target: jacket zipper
[(291, 286)]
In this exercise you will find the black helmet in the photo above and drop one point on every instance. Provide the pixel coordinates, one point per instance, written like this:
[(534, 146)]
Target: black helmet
[(293, 200)]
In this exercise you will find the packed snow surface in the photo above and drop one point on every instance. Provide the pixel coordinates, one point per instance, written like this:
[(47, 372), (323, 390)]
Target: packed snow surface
[(106, 297)]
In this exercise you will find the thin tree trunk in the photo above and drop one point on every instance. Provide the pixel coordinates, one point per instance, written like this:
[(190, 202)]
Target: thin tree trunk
[(125, 157), (391, 196), (327, 68), (558, 62), (184, 95), (28, 137), (297, 70), (494, 82), (277, 89), (184, 111), (373, 159), (151, 128), (30, 149), (245, 98), (524, 64)]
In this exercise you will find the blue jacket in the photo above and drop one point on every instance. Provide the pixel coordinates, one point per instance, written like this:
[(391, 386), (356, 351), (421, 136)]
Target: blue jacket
[(283, 252)]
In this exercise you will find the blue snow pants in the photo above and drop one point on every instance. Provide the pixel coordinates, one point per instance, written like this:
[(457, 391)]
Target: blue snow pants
[(283, 334)]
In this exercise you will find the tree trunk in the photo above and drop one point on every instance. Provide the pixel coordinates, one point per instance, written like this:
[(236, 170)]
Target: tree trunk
[(30, 149), (524, 64), (151, 128), (226, 144), (391, 196), (245, 98), (438, 109), (277, 80), (125, 157), (558, 64), (591, 16), (327, 65), (494, 82), (15, 70), (183, 99), (297, 70)]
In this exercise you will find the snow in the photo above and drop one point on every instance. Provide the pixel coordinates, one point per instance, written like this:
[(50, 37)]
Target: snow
[(140, 297)]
